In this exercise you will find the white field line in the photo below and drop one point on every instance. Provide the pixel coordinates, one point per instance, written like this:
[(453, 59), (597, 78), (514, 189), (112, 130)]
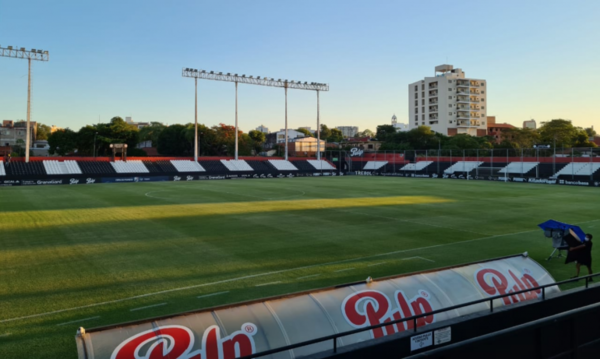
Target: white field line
[(212, 294), (309, 276), (261, 285), (79, 320), (148, 306), (421, 258), (376, 264), (343, 270), (266, 274), (5, 335)]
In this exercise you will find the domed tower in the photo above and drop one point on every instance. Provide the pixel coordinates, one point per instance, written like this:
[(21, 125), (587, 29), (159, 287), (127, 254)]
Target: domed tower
[(394, 120)]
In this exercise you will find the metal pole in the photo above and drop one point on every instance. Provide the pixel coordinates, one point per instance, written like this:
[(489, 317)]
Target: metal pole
[(439, 150), (521, 162), (95, 134), (236, 122), (506, 174), (28, 136), (318, 130), (196, 120), (554, 158), (572, 164), (286, 125)]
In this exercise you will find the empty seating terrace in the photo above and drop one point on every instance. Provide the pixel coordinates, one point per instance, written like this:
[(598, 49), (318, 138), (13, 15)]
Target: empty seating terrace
[(96, 167), (321, 165), (519, 167), (578, 169), (187, 166), (283, 165), (61, 168), (419, 166), (237, 165)]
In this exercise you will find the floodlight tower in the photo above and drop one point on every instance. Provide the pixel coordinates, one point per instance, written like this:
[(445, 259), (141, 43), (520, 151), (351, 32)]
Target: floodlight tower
[(39, 55), (264, 81)]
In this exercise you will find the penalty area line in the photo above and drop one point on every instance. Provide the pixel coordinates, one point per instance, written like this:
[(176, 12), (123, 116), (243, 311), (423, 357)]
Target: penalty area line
[(266, 274), (212, 294)]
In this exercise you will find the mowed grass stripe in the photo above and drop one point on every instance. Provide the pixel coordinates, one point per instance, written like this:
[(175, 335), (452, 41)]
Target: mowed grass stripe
[(72, 217)]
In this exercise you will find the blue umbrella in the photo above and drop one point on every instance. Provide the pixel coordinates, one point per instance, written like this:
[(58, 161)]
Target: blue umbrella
[(556, 225)]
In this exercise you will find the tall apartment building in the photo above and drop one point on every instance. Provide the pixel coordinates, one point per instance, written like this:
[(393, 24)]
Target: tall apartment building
[(448, 102), (530, 124), (262, 129), (348, 131), (11, 132)]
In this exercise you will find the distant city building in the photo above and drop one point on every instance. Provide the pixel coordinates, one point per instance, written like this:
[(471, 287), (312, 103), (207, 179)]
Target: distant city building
[(262, 129), (11, 132), (530, 124), (449, 103), (400, 127), (292, 134), (139, 125), (495, 129), (306, 146), (348, 131)]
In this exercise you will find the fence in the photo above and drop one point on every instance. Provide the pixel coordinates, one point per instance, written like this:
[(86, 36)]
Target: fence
[(574, 163)]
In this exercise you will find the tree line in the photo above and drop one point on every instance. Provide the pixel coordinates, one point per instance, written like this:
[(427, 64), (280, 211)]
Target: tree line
[(559, 133)]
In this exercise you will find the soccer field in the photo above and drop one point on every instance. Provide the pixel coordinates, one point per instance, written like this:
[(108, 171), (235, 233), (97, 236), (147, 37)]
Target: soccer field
[(95, 255)]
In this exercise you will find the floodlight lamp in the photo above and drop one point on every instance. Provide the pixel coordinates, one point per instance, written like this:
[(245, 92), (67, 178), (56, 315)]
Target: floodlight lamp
[(258, 77), (220, 73), (22, 49), (33, 50), (229, 74), (212, 72)]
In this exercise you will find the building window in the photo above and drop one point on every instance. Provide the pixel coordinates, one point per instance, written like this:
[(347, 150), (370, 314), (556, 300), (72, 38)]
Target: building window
[(422, 86), (449, 81), (483, 122), (482, 92), (450, 113), (416, 102), (416, 95), (450, 105), (449, 97), (422, 94), (422, 109), (416, 88), (482, 84), (423, 117), (482, 115), (422, 101), (450, 121), (416, 110), (416, 117), (483, 107)]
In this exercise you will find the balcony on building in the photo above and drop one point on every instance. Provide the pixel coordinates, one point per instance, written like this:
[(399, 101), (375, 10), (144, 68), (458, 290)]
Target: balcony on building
[(433, 85), (464, 99), (462, 83), (433, 109), (474, 99), (474, 83), (474, 91), (468, 123), (433, 93), (433, 117), (433, 101), (433, 122)]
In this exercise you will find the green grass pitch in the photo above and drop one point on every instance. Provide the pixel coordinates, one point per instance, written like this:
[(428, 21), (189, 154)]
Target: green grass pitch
[(95, 255)]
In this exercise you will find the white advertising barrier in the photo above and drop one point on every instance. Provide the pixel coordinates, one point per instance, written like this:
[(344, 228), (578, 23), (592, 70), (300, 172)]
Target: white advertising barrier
[(248, 328)]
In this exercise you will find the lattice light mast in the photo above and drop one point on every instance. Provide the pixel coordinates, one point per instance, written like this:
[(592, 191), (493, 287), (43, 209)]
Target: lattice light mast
[(251, 80), (33, 54)]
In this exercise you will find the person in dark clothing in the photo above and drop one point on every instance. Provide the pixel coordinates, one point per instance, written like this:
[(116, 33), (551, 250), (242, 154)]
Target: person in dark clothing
[(582, 254)]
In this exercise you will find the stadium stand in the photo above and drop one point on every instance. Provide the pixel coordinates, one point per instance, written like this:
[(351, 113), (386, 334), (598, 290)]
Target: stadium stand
[(2, 171), (25, 169), (321, 165), (214, 166), (419, 166), (374, 165), (259, 166), (61, 168), (303, 166), (463, 166), (519, 167), (165, 166), (96, 167), (283, 165), (152, 167), (578, 169), (187, 166), (129, 167), (237, 166)]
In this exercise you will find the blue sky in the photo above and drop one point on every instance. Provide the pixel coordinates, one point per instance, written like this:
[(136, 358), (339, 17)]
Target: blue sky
[(124, 58)]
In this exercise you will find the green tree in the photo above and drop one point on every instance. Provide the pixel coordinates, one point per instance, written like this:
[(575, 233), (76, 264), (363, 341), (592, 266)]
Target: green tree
[(422, 138), (306, 132), (257, 136), (335, 136), (151, 132), (42, 132), (521, 137), (325, 131), (560, 130), (364, 133), (590, 132), (62, 142), (385, 131), (172, 141)]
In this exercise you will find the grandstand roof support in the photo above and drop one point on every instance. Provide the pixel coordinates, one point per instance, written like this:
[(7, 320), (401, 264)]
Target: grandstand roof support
[(251, 80)]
